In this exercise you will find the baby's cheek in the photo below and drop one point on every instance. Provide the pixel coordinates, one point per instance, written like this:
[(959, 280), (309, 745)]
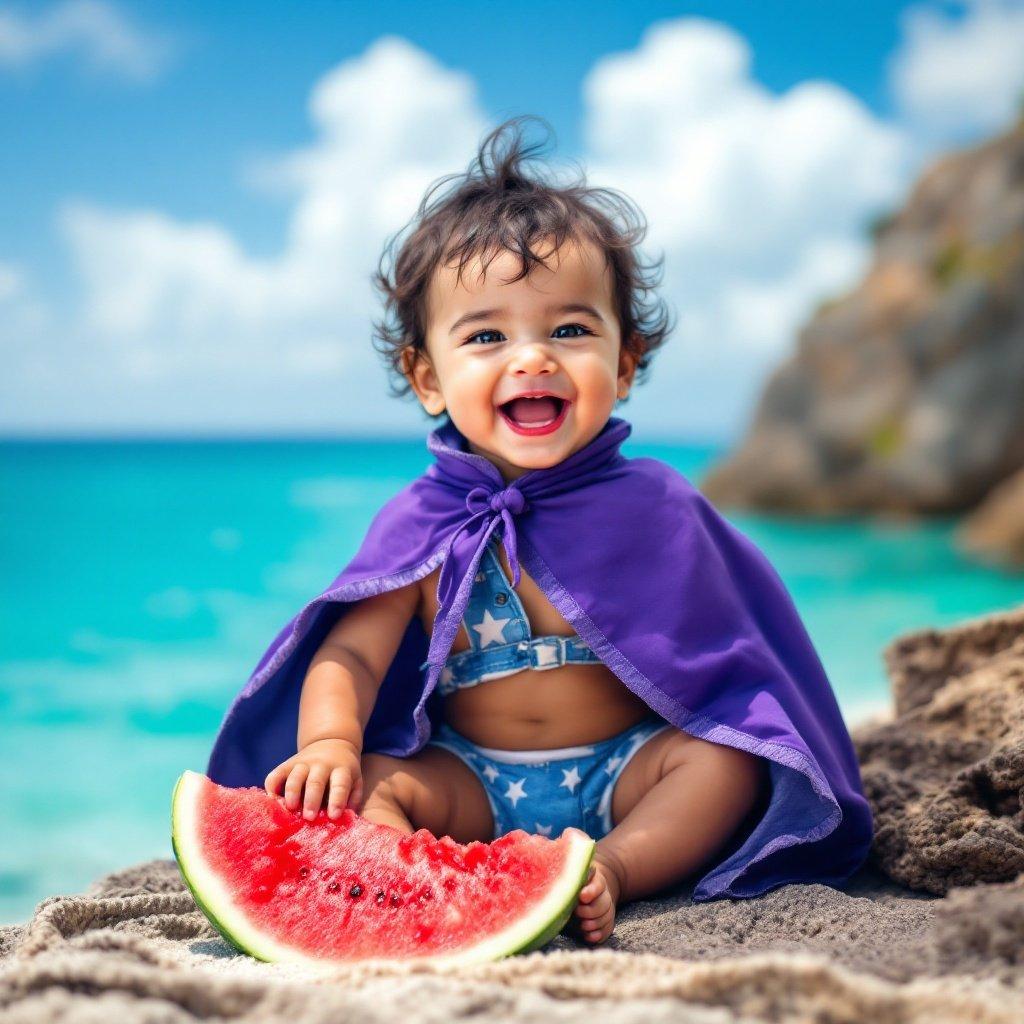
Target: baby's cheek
[(474, 419), (470, 399), (595, 400)]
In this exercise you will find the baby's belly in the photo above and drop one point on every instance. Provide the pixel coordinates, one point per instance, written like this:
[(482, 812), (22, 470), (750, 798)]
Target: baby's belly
[(560, 707)]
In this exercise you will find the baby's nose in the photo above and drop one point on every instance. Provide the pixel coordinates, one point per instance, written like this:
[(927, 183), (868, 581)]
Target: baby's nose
[(532, 358)]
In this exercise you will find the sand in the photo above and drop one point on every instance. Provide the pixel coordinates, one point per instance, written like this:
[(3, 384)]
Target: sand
[(931, 930)]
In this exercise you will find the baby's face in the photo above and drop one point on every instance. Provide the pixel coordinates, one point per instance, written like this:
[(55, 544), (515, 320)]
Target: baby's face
[(528, 371)]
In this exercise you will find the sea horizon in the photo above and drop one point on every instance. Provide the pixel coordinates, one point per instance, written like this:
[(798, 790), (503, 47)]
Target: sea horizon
[(720, 444)]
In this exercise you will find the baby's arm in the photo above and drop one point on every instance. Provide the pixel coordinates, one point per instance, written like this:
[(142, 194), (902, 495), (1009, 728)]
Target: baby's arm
[(338, 695)]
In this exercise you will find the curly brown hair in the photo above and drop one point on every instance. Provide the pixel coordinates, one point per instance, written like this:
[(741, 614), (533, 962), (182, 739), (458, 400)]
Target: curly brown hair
[(495, 206)]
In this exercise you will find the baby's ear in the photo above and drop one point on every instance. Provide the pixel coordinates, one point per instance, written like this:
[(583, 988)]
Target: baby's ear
[(629, 355), (419, 372)]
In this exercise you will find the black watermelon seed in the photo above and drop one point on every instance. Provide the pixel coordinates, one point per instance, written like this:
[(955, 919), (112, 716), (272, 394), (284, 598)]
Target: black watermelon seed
[(356, 891), (380, 896), (396, 900), (333, 887), (303, 872)]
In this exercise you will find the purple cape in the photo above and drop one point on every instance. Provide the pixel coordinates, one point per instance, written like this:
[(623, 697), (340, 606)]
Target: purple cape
[(679, 604)]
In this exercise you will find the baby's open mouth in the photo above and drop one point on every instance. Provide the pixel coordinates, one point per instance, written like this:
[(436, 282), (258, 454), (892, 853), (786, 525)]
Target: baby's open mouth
[(535, 414)]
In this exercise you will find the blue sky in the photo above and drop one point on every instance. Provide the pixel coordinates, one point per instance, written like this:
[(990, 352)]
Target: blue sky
[(237, 84), (159, 142)]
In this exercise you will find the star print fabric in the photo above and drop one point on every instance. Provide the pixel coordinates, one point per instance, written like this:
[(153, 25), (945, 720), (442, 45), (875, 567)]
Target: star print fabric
[(498, 631), (544, 792)]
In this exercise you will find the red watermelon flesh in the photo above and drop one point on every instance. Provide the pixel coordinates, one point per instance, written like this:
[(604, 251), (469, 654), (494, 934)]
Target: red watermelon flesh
[(325, 891)]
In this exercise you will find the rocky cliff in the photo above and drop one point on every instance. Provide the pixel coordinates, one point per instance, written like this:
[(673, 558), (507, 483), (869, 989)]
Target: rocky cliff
[(907, 394)]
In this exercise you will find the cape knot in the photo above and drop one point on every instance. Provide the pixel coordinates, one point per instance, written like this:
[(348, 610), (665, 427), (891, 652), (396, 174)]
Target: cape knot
[(510, 500), (490, 510)]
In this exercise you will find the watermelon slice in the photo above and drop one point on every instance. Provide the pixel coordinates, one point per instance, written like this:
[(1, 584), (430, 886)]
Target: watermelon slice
[(326, 891)]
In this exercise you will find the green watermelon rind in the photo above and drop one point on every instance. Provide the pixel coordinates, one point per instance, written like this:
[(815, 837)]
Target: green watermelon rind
[(559, 922), (536, 929), (186, 874)]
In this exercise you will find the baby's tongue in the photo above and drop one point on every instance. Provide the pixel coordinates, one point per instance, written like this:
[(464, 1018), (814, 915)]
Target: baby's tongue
[(532, 410)]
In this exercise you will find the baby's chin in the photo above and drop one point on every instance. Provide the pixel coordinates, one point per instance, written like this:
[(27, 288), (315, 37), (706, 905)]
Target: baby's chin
[(513, 464), (515, 459)]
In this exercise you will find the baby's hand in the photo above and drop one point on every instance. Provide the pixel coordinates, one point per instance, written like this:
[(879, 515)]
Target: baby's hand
[(331, 765)]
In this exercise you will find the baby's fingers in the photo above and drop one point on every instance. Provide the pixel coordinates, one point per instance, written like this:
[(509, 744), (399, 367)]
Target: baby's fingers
[(316, 782), (275, 778), (356, 799), (341, 785), (293, 787)]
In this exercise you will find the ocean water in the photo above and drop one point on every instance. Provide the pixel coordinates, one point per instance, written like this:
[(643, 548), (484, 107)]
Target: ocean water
[(140, 581)]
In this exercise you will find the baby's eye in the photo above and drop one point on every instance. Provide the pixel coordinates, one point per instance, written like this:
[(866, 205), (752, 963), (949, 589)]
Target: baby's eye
[(491, 337), (574, 327), (472, 339)]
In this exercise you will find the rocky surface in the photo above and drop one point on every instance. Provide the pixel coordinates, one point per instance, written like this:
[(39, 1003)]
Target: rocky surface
[(945, 777), (906, 394)]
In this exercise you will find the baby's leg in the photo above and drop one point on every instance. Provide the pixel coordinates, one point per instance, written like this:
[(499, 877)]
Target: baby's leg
[(674, 806), (432, 789)]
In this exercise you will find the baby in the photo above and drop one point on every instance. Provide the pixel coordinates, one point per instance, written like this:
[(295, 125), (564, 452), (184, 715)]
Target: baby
[(522, 313), (529, 371)]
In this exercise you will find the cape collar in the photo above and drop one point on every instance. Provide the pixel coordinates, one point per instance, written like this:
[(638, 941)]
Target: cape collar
[(492, 503)]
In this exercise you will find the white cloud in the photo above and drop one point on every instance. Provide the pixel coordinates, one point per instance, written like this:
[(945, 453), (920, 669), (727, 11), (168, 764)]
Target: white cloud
[(93, 29), (377, 148), (241, 342), (758, 201), (956, 77)]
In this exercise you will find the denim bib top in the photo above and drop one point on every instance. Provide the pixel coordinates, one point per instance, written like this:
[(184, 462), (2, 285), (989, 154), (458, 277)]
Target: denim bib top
[(499, 635)]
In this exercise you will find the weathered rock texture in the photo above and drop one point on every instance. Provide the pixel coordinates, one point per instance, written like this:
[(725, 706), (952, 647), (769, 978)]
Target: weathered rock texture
[(907, 394), (945, 781), (945, 778)]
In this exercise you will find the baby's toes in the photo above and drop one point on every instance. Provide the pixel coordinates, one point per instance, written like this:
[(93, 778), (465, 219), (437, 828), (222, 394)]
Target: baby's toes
[(596, 907), (595, 883), (595, 888), (596, 930)]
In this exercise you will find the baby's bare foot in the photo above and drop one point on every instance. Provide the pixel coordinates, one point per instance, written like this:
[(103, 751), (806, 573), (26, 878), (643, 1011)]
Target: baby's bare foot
[(598, 899)]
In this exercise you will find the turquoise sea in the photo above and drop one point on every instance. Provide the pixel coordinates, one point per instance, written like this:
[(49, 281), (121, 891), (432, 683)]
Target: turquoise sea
[(141, 580)]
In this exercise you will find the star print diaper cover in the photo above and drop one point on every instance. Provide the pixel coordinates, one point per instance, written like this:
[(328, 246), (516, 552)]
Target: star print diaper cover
[(545, 791)]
